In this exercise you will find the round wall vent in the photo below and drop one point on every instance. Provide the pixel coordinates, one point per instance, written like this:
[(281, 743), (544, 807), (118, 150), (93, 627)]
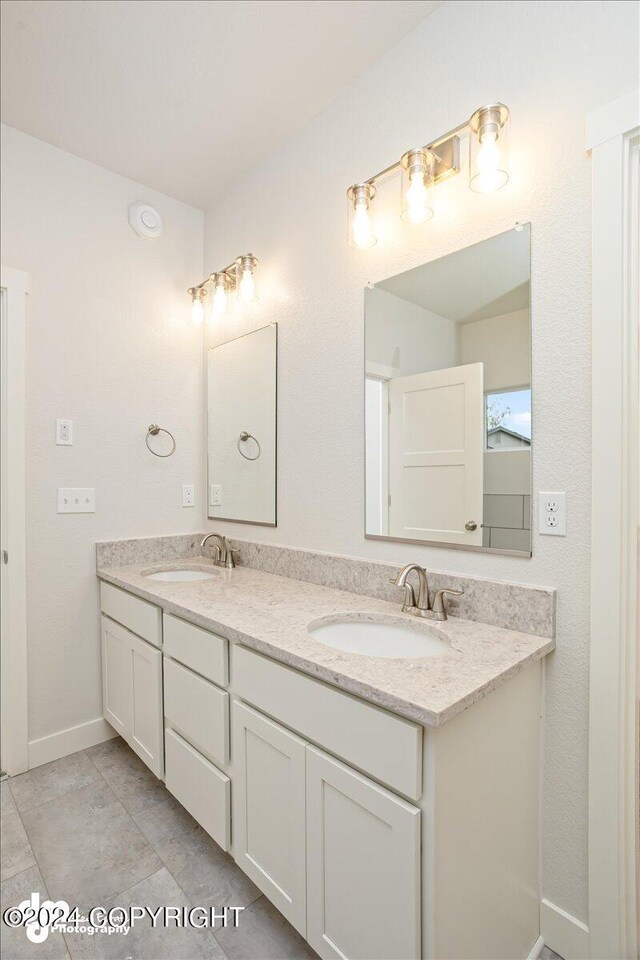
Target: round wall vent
[(145, 220)]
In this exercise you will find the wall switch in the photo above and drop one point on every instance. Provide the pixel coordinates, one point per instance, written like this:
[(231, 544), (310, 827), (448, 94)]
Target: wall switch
[(76, 500), (552, 514), (188, 495), (215, 495), (64, 433)]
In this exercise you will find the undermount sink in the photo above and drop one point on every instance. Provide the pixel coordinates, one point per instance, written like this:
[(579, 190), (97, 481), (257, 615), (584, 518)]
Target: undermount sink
[(180, 576), (169, 574), (380, 637)]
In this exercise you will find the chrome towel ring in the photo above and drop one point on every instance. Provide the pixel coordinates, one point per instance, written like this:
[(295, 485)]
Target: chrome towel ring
[(153, 431), (244, 436)]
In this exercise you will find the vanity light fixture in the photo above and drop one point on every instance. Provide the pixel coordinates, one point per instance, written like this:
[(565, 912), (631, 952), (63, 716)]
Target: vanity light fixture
[(198, 296), (417, 186), (426, 166), (220, 293), (360, 229), (238, 276), (488, 170)]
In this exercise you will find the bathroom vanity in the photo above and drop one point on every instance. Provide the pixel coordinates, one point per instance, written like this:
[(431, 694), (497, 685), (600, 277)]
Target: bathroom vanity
[(387, 806)]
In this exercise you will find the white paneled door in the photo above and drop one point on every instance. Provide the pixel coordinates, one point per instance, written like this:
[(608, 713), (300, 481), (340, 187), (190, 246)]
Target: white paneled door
[(436, 442)]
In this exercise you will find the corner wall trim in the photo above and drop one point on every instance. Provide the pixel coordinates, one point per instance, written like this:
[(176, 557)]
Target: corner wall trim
[(563, 933), (64, 742)]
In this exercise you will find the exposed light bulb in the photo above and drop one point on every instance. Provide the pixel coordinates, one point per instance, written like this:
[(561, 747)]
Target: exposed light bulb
[(197, 310), (417, 180), (362, 231), (417, 198), (219, 297), (360, 227), (488, 162), (247, 287)]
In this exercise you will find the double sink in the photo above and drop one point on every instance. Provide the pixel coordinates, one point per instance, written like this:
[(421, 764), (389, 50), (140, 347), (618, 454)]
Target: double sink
[(366, 634)]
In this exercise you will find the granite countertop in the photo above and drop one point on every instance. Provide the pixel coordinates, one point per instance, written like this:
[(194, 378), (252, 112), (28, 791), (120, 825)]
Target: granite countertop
[(271, 613)]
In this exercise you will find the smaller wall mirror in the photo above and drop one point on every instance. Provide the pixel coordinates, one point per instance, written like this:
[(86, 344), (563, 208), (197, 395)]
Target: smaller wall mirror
[(241, 428), (448, 400)]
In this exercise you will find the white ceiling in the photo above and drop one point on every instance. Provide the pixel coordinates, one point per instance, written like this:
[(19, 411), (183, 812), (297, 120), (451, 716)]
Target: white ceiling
[(488, 279), (185, 95)]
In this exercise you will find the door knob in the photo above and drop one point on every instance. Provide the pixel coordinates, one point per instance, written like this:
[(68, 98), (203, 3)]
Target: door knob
[(471, 525)]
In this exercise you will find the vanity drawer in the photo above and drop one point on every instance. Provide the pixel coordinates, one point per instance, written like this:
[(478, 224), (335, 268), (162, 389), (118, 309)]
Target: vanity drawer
[(197, 649), (198, 710), (142, 618), (202, 789), (387, 747)]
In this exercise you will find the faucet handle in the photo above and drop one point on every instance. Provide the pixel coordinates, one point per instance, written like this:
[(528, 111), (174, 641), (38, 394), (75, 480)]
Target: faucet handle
[(438, 602)]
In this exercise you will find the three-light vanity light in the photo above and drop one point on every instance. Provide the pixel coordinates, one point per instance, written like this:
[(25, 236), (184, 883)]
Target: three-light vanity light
[(237, 278), (424, 167)]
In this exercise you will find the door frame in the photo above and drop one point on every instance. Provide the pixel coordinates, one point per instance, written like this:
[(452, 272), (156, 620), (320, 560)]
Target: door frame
[(13, 652), (613, 137)]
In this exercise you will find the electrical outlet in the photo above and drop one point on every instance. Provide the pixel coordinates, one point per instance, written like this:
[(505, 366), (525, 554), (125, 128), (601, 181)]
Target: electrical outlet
[(552, 514), (76, 500), (215, 495), (188, 495), (64, 433)]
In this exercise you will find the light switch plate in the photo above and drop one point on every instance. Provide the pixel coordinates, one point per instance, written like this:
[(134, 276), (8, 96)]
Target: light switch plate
[(215, 495), (76, 500), (64, 433), (188, 495), (552, 514)]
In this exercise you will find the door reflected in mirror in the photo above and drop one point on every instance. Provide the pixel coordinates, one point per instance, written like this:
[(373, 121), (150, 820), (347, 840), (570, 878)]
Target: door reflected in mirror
[(241, 428), (448, 400)]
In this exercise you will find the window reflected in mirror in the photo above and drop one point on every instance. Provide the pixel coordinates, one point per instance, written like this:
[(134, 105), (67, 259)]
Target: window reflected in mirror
[(448, 399)]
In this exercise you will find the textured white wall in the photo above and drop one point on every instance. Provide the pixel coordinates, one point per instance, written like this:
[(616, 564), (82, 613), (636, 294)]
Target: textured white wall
[(552, 63), (110, 345)]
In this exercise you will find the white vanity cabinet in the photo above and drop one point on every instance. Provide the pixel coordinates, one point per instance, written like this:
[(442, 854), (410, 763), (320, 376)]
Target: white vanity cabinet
[(378, 838), (132, 691)]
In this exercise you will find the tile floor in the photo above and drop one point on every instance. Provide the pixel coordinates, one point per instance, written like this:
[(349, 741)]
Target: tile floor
[(97, 828)]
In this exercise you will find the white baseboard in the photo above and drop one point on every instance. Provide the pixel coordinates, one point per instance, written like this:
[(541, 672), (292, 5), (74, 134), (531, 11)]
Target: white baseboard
[(536, 949), (563, 933), (64, 742)]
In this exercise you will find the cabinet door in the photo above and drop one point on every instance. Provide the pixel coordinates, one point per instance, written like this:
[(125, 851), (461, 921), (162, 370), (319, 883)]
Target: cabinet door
[(269, 810), (132, 692), (146, 736), (363, 866), (117, 701)]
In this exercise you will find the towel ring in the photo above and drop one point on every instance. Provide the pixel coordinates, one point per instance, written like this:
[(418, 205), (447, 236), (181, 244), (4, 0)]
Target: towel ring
[(244, 436), (153, 431)]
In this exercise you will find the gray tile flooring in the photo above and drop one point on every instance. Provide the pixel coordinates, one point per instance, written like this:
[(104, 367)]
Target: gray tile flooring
[(98, 829)]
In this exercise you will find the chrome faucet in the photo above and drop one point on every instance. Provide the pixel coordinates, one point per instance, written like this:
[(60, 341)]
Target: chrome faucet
[(420, 607), (223, 556)]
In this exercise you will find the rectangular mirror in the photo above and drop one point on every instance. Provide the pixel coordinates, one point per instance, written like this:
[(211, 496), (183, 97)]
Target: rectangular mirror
[(241, 428), (448, 400)]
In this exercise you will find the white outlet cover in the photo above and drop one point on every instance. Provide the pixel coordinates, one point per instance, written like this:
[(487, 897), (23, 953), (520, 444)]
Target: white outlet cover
[(188, 495), (552, 513), (76, 500), (215, 495)]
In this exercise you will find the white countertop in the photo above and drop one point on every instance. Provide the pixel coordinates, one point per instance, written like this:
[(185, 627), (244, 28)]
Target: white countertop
[(270, 614)]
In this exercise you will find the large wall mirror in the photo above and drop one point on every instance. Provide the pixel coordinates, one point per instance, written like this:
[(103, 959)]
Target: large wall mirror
[(241, 427), (448, 400)]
